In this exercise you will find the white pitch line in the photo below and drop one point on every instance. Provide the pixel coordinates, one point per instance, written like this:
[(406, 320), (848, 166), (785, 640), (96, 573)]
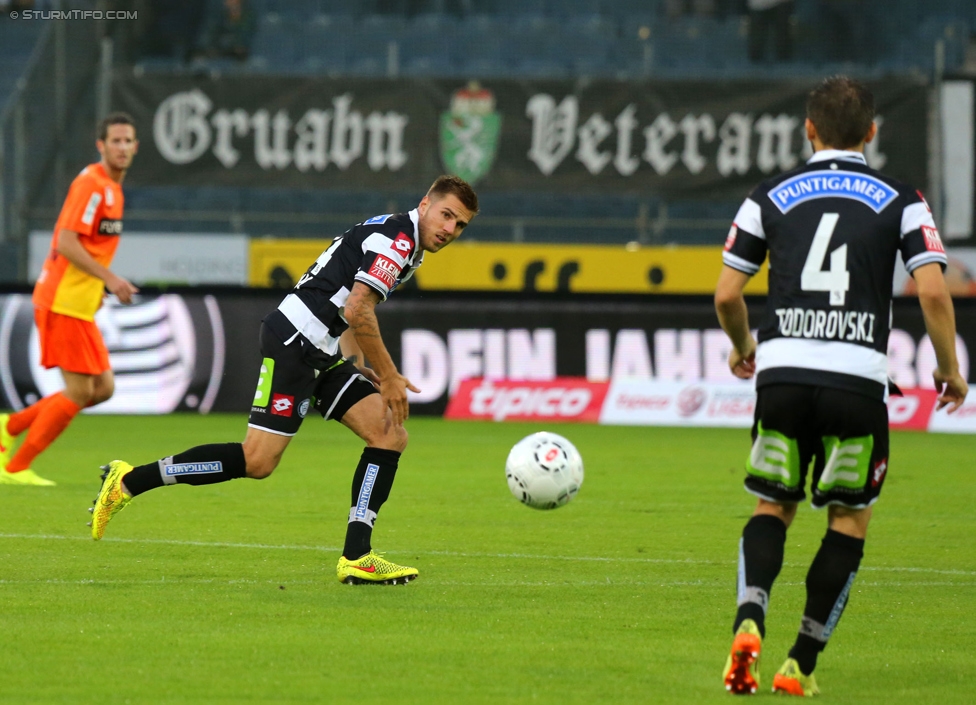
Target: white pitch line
[(177, 582), (459, 554)]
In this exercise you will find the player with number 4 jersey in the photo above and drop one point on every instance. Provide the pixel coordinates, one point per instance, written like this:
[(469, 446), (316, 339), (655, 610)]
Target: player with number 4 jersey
[(832, 230)]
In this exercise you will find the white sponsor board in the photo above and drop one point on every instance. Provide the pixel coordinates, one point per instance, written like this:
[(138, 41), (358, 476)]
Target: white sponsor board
[(962, 420), (165, 258), (660, 403)]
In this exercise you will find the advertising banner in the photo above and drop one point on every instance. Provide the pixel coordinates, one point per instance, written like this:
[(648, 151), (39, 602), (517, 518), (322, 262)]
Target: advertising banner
[(478, 266), (628, 359), (650, 403), (169, 352), (694, 139), (562, 399), (165, 258), (642, 402), (439, 341)]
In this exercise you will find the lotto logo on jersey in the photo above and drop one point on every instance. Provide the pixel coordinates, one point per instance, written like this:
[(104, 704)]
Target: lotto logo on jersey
[(385, 270), (878, 473), (730, 238), (282, 405), (933, 243), (403, 244)]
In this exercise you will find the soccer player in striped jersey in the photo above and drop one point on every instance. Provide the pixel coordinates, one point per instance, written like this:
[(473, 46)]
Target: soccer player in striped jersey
[(832, 230), (315, 345), (68, 292)]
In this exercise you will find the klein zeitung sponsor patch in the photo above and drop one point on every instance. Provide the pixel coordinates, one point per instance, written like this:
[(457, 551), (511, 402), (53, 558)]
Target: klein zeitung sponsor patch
[(385, 270)]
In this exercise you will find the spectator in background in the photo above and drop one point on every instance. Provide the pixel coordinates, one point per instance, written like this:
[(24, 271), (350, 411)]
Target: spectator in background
[(228, 27), (770, 19), (849, 28), (172, 28), (701, 8)]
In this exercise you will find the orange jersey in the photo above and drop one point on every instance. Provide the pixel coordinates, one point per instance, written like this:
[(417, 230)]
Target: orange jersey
[(93, 209)]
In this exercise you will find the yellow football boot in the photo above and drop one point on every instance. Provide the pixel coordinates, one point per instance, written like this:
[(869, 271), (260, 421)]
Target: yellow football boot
[(791, 680), (373, 568), (6, 442), (111, 499), (24, 478)]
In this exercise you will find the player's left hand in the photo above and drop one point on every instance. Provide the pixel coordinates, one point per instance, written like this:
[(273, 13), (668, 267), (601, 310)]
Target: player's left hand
[(394, 393), (122, 288), (743, 365), (952, 390)]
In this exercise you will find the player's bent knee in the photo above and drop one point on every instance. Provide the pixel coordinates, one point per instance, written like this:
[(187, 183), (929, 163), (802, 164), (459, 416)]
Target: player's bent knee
[(386, 436), (400, 439), (102, 395), (258, 466), (259, 471)]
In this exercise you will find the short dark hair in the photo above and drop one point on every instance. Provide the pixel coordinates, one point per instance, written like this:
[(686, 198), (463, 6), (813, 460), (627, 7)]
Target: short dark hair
[(842, 110), (113, 119), (454, 185)]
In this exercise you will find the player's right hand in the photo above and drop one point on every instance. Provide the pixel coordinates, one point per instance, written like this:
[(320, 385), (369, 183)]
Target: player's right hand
[(122, 288), (743, 365), (394, 393), (952, 390)]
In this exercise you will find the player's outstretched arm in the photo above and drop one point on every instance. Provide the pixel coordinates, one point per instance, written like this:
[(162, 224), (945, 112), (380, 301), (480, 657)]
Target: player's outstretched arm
[(730, 305), (940, 323), (70, 247), (360, 314)]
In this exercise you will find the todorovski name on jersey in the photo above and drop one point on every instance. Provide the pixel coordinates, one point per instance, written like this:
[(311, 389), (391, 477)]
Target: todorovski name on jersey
[(847, 326)]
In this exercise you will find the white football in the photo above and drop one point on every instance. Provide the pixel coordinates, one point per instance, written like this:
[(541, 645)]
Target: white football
[(544, 470)]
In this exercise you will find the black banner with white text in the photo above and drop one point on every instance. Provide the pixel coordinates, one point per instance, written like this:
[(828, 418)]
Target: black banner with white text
[(677, 139)]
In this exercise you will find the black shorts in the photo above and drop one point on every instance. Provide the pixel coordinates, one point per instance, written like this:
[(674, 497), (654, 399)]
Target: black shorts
[(296, 377), (844, 433)]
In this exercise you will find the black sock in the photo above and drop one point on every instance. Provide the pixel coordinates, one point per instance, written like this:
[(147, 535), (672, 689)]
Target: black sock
[(370, 488), (760, 560), (203, 465), (828, 587)]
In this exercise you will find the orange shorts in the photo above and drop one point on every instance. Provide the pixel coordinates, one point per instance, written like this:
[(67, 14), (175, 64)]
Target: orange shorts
[(70, 343)]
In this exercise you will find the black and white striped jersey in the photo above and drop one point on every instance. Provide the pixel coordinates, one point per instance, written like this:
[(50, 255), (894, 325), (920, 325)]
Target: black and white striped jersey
[(382, 252), (833, 229)]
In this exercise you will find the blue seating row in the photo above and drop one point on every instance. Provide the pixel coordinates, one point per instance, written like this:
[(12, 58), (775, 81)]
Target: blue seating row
[(540, 46), (544, 217)]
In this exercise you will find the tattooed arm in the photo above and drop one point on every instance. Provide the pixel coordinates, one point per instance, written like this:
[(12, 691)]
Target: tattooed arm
[(353, 353), (360, 314)]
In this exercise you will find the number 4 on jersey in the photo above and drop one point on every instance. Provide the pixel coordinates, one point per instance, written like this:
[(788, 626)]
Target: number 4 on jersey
[(836, 280)]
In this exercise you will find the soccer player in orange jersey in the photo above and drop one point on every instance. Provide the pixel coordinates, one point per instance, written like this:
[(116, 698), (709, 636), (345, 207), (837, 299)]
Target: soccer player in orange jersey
[(66, 296)]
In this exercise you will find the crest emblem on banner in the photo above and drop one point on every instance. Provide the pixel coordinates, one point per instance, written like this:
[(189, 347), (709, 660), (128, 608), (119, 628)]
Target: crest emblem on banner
[(469, 133)]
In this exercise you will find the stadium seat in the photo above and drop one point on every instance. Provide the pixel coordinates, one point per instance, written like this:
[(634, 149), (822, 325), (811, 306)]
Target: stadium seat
[(433, 24), (378, 27), (515, 8), (275, 41), (17, 39)]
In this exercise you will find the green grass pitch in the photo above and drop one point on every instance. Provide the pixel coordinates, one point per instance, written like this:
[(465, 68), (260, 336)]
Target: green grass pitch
[(228, 593)]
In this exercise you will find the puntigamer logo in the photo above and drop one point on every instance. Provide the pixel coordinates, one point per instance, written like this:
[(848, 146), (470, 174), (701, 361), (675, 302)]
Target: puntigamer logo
[(870, 191), (194, 468)]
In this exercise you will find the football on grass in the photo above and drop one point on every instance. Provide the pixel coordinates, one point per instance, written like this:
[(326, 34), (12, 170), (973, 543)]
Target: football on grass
[(544, 470)]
